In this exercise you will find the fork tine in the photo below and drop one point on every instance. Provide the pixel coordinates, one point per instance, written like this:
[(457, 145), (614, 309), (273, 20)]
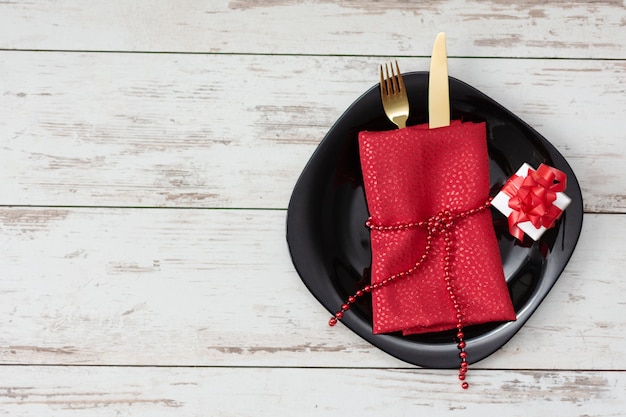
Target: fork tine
[(389, 90), (383, 85), (394, 79), (400, 80)]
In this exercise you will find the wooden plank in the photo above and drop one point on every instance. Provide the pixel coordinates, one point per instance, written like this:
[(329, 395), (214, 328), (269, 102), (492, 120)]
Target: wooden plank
[(90, 129), (113, 310), (577, 28), (105, 391), (173, 287)]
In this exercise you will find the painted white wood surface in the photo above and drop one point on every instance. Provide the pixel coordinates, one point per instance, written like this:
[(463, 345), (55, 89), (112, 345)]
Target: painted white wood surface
[(167, 130), (215, 288), (256, 392), (524, 28), (147, 154)]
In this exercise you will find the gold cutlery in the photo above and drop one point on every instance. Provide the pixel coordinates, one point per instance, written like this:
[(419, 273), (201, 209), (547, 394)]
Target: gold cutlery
[(393, 95), (438, 86)]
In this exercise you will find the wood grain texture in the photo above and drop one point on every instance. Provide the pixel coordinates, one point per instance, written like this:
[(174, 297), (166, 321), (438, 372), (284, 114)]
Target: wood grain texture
[(166, 130), (148, 150), (176, 287), (106, 391), (528, 28)]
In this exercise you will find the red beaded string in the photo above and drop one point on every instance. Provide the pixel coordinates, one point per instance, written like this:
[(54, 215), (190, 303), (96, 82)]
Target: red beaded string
[(460, 336), (438, 224)]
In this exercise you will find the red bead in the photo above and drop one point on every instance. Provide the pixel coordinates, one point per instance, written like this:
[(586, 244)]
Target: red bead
[(463, 355), (461, 376), (465, 385), (463, 370), (345, 307), (332, 321), (464, 364), (352, 299), (367, 288), (461, 345), (339, 315), (359, 293), (460, 335)]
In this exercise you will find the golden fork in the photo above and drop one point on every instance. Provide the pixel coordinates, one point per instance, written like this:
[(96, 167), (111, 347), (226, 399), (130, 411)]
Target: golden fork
[(393, 95)]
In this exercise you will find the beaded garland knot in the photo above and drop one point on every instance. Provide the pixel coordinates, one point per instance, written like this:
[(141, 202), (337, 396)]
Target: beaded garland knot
[(439, 224)]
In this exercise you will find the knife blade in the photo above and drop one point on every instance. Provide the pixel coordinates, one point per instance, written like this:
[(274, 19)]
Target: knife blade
[(438, 86)]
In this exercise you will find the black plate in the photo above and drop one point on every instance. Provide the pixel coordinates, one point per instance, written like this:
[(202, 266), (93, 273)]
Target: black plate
[(330, 245)]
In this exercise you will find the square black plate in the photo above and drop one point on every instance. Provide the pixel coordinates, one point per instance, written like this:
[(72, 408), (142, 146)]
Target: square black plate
[(329, 243)]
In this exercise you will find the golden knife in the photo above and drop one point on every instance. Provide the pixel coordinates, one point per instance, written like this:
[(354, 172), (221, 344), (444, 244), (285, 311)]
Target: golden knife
[(438, 87)]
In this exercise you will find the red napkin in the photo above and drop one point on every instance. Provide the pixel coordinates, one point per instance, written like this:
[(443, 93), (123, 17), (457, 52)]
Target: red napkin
[(413, 176)]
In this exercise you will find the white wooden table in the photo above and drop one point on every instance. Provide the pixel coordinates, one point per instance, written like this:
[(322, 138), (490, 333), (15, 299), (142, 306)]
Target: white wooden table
[(148, 150)]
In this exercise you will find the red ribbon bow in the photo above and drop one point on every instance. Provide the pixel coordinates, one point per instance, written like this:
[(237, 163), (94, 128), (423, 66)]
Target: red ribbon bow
[(532, 198)]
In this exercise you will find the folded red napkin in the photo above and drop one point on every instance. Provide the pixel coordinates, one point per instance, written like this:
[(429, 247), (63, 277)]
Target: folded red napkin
[(435, 259)]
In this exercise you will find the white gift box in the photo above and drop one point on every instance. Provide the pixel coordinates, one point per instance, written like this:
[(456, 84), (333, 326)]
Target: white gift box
[(501, 202)]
